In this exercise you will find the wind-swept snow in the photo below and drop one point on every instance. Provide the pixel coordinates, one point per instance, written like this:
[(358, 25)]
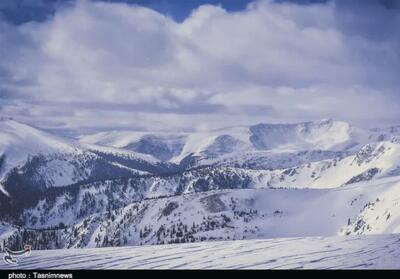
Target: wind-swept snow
[(351, 252)]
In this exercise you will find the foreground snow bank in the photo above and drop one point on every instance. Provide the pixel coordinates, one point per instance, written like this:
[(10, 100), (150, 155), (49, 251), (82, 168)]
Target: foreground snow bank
[(351, 252)]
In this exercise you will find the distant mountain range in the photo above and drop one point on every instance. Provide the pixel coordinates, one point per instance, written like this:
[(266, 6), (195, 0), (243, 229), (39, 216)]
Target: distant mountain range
[(133, 188)]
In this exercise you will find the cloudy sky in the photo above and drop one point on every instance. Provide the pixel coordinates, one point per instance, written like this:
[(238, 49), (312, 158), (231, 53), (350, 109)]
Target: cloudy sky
[(189, 65)]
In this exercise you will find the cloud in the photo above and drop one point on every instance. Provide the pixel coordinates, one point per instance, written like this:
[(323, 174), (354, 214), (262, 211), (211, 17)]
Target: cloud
[(97, 65)]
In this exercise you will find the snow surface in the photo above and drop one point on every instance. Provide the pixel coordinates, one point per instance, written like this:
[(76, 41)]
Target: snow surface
[(351, 252)]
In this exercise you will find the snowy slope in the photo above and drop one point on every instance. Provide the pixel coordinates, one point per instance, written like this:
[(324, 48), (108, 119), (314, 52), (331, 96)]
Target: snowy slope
[(238, 214), (17, 141), (212, 215), (32, 160), (356, 252), (373, 161)]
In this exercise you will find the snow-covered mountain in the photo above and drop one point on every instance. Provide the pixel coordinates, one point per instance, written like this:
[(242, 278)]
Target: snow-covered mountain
[(245, 145), (267, 180), (319, 135), (32, 160), (18, 141)]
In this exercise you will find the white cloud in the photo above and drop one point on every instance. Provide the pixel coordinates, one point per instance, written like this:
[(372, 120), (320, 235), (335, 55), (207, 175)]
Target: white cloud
[(95, 64)]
